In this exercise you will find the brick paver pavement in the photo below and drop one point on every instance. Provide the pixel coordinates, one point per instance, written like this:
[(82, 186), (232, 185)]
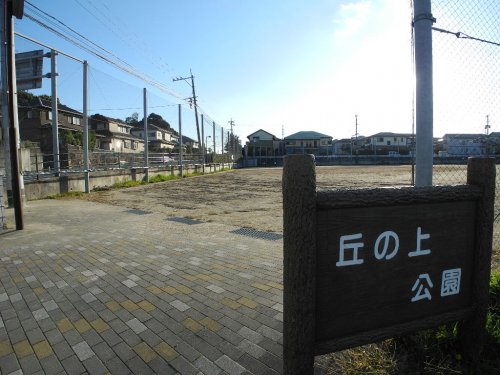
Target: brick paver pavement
[(98, 289)]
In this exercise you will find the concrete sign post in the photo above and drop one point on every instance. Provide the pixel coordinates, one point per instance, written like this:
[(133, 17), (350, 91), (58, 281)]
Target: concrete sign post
[(368, 264)]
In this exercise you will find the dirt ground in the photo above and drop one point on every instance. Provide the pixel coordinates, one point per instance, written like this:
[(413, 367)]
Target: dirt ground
[(248, 198), (251, 198)]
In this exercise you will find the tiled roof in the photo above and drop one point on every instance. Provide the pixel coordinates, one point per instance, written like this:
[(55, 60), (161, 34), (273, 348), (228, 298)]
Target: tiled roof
[(307, 135)]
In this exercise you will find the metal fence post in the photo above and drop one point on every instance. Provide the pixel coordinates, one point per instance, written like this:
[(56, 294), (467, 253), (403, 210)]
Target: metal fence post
[(422, 24)]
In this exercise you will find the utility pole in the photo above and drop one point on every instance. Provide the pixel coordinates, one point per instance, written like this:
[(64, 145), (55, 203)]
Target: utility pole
[(86, 127), (191, 77), (487, 127), (356, 134), (55, 113), (9, 104), (180, 138), (231, 123), (222, 145), (213, 135), (203, 146), (146, 136)]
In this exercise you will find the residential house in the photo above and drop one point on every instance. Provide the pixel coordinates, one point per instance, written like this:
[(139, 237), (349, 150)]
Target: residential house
[(385, 142), (262, 143), (465, 144), (35, 122), (115, 135), (308, 142), (159, 139), (345, 146), (189, 144)]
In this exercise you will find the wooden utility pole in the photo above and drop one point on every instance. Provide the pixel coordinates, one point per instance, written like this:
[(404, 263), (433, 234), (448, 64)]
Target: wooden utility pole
[(9, 96), (191, 77)]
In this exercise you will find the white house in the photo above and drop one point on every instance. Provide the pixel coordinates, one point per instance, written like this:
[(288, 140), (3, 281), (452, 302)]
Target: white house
[(387, 141), (158, 138), (464, 144), (115, 135)]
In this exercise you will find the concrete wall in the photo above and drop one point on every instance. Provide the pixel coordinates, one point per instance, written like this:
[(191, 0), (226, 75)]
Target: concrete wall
[(38, 189)]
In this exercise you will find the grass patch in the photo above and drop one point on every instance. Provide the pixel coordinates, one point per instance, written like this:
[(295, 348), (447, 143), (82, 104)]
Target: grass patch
[(155, 179), (193, 174), (69, 194), (127, 184), (163, 178)]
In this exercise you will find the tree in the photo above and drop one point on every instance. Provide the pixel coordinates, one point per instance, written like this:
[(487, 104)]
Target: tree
[(133, 119), (157, 120), (233, 140)]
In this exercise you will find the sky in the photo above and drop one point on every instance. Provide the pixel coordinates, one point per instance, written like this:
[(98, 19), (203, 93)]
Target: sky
[(281, 66)]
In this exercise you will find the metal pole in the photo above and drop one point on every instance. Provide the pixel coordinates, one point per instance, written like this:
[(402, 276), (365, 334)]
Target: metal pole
[(180, 139), (203, 152), (222, 145), (146, 140), (86, 127), (55, 117), (422, 25), (213, 134)]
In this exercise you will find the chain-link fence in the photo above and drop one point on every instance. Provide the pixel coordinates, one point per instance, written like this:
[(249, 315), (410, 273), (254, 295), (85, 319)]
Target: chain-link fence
[(466, 74), (117, 105)]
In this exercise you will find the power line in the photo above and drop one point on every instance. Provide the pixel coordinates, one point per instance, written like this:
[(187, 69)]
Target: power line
[(130, 70), (59, 28), (50, 17)]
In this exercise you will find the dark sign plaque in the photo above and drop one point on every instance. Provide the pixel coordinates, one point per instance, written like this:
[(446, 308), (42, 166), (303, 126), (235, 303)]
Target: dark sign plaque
[(368, 264), (388, 265)]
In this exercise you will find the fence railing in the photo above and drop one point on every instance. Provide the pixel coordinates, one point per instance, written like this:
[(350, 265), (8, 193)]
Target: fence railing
[(38, 165)]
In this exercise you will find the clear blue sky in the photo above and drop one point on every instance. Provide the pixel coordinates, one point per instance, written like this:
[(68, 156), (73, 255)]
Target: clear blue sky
[(301, 65)]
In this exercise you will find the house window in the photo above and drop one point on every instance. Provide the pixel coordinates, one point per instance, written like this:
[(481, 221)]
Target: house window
[(49, 115), (380, 139), (76, 120), (388, 143), (29, 114), (126, 144), (256, 139), (152, 134), (134, 145)]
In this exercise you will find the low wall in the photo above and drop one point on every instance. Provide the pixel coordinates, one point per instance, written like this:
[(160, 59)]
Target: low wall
[(38, 189)]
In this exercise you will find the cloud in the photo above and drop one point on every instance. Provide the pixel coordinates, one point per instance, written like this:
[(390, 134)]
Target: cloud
[(352, 16)]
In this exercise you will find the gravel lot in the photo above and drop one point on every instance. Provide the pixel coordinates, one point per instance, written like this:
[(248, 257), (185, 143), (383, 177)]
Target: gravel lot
[(245, 197)]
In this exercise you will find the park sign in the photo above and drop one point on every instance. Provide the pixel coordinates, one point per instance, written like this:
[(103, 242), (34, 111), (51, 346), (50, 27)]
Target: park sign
[(363, 265)]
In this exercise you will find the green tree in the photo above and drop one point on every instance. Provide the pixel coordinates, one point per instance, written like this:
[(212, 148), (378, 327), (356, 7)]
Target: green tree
[(237, 145), (133, 119)]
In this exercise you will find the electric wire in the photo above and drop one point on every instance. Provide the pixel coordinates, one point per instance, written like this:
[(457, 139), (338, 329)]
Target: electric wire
[(141, 76), (59, 28)]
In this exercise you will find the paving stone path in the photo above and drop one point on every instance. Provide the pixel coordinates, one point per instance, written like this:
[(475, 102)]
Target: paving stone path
[(98, 289)]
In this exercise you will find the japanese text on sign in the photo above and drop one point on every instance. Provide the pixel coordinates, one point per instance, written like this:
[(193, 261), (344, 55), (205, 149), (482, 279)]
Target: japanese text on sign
[(386, 247)]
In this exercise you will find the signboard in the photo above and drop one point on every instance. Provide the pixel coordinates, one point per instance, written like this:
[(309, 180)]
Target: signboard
[(382, 266), (368, 264), (29, 68)]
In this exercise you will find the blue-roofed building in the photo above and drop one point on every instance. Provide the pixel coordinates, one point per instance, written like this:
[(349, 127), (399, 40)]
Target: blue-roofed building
[(308, 142)]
